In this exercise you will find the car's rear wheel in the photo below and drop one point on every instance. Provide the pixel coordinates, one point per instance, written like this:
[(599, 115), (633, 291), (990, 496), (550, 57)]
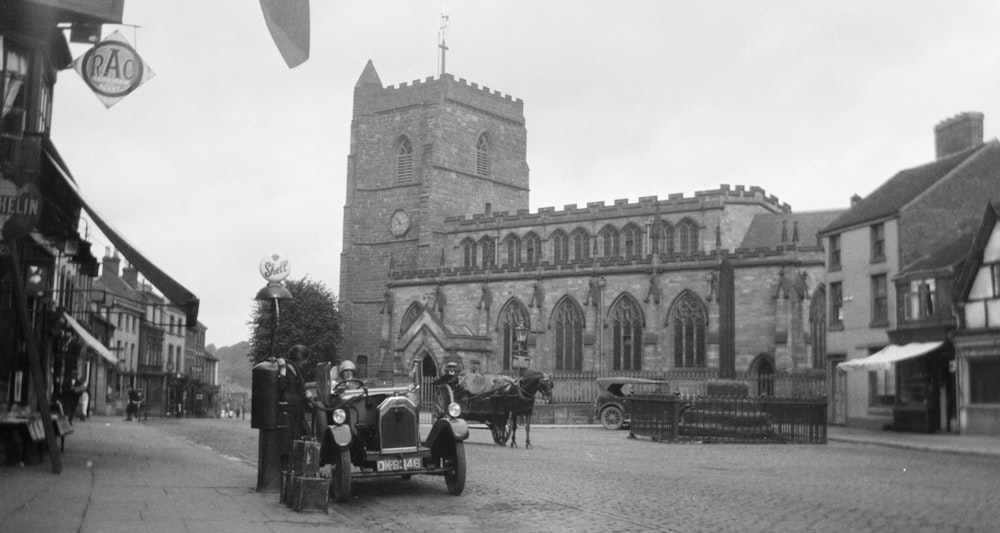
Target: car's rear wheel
[(612, 417), (455, 476), (340, 482)]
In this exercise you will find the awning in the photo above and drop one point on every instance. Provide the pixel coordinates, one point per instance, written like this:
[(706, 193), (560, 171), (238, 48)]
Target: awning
[(174, 291), (890, 355), (90, 340)]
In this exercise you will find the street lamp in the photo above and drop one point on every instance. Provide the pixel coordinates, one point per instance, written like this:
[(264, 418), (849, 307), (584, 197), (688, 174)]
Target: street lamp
[(521, 359)]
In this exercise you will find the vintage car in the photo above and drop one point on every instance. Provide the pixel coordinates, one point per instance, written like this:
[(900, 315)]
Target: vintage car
[(611, 406), (375, 432)]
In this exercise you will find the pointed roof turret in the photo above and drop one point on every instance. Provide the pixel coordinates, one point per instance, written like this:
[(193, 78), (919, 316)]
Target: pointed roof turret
[(369, 76)]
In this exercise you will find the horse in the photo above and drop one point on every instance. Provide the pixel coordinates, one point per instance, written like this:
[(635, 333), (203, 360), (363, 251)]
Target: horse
[(519, 400)]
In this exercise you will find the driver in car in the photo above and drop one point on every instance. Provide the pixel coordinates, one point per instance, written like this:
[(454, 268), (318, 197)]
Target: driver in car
[(346, 372)]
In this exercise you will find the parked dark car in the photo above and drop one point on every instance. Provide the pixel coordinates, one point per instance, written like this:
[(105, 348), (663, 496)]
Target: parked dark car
[(375, 432), (611, 406)]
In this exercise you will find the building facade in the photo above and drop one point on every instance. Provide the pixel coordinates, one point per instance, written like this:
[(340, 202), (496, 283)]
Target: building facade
[(444, 262), (977, 339), (889, 258)]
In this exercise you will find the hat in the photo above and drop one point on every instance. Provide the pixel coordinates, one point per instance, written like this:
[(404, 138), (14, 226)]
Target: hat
[(346, 365)]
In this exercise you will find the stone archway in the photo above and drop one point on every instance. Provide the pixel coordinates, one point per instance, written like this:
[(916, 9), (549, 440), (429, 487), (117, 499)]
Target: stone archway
[(428, 373)]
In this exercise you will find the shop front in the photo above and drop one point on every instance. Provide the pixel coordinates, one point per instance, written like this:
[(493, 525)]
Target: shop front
[(923, 384)]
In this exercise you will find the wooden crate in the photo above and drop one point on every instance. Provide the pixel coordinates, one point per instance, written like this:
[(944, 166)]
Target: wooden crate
[(309, 494)]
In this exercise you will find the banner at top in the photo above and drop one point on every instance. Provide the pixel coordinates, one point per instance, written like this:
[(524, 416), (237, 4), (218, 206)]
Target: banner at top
[(112, 69)]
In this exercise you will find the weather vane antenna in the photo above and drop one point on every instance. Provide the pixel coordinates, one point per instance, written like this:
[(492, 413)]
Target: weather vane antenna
[(445, 15)]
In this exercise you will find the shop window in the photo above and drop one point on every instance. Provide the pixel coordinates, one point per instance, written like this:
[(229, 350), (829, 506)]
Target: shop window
[(881, 388), (984, 381)]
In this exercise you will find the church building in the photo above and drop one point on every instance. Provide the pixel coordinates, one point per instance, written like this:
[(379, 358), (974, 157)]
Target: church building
[(443, 261)]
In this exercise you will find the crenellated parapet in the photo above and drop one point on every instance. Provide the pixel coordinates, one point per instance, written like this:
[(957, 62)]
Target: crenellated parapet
[(708, 260), (433, 89), (622, 208)]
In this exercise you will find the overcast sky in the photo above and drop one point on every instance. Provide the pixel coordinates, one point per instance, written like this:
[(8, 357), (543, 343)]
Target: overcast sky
[(227, 155)]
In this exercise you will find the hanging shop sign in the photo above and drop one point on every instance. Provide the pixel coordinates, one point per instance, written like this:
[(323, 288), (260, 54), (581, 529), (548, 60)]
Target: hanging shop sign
[(112, 69), (20, 208), (274, 268)]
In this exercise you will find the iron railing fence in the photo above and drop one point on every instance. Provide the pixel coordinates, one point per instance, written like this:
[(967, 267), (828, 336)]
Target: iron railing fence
[(581, 387), (680, 418)]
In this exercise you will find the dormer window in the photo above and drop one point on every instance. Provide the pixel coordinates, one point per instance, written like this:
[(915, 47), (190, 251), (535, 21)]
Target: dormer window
[(483, 156)]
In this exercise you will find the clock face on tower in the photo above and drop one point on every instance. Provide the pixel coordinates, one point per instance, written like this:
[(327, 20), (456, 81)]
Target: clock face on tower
[(399, 224)]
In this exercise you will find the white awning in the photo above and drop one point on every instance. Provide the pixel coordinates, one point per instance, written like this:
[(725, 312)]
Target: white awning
[(90, 340), (890, 355)]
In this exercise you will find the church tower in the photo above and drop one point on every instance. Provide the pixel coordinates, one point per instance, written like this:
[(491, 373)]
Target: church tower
[(420, 153)]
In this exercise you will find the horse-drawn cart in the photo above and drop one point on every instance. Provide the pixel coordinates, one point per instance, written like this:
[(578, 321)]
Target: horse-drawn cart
[(497, 401)]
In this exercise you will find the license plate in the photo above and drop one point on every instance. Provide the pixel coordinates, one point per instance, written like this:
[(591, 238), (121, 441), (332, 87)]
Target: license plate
[(405, 463)]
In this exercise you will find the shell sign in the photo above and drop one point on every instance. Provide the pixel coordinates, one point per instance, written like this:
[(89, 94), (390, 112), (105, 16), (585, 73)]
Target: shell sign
[(20, 208), (112, 69), (274, 268)]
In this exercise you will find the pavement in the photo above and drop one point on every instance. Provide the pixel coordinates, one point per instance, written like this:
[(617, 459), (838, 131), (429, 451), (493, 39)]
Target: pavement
[(122, 476)]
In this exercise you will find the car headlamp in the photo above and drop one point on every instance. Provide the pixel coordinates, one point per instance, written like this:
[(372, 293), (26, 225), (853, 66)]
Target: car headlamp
[(339, 416), (454, 410)]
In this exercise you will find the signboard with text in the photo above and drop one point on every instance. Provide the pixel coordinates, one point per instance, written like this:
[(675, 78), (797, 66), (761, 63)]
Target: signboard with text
[(112, 69)]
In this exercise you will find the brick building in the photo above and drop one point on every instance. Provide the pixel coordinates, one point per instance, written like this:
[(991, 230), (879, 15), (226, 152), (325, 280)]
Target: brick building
[(443, 261)]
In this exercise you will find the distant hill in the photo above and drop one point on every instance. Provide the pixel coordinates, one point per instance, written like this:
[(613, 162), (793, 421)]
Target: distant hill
[(234, 367)]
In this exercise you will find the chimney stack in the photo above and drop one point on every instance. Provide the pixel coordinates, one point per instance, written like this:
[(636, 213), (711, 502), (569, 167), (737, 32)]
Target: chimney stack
[(964, 130), (110, 264), (131, 276)]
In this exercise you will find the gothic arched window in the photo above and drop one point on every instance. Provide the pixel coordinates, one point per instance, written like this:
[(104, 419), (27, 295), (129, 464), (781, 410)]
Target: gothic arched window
[(513, 250), (469, 253), (560, 247), (483, 156), (817, 328), (626, 328), (581, 244), (609, 242), (489, 252), (532, 249), (410, 316), (568, 323), (512, 315), (663, 238), (687, 234), (632, 241), (404, 161), (689, 320)]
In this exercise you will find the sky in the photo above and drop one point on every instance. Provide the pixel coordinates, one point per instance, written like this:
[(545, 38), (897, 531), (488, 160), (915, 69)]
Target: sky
[(226, 155)]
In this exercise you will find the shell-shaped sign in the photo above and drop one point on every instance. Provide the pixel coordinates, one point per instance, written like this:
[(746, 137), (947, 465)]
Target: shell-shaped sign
[(274, 268)]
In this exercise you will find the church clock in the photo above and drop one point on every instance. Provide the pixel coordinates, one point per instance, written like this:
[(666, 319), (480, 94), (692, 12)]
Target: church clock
[(399, 224)]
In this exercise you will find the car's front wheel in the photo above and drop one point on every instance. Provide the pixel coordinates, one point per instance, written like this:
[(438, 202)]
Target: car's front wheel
[(612, 417), (455, 477), (340, 482)]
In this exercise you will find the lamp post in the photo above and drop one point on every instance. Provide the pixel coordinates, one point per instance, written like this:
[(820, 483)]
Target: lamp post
[(264, 415), (521, 357)]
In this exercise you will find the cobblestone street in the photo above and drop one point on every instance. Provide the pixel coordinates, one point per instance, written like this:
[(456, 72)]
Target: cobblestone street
[(590, 479)]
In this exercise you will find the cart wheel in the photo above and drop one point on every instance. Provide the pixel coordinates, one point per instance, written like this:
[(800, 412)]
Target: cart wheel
[(340, 483), (455, 476), (501, 431), (611, 418)]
